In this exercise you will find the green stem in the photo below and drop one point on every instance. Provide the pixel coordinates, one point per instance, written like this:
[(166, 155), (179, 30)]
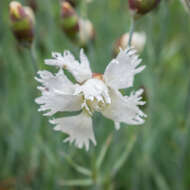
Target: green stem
[(124, 156), (103, 152), (34, 58), (84, 9), (131, 31), (187, 104)]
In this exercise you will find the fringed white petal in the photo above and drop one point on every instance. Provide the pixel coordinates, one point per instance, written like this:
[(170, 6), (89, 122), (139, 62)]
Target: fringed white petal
[(125, 108), (57, 93), (58, 82), (120, 72), (53, 102), (81, 71), (79, 128)]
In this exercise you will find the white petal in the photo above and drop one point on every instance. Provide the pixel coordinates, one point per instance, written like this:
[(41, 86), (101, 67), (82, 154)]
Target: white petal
[(120, 72), (59, 81), (53, 102), (81, 71), (57, 93), (125, 109), (79, 128)]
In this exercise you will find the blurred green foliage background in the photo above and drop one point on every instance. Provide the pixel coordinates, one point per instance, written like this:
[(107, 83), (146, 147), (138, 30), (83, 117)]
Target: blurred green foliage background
[(153, 156)]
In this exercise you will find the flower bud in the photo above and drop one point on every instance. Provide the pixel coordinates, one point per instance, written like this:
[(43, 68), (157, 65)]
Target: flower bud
[(138, 42), (86, 32), (70, 21), (22, 22), (140, 7)]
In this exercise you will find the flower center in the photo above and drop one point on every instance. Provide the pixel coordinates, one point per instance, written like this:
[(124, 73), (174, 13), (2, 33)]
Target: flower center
[(95, 94)]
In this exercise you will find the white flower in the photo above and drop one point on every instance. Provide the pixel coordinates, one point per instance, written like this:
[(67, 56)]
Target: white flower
[(91, 92)]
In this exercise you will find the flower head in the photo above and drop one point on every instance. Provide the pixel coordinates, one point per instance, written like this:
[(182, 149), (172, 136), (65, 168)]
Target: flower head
[(91, 92)]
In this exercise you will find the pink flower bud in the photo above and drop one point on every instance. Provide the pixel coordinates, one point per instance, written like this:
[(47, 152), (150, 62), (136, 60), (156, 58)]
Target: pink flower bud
[(22, 22), (69, 20)]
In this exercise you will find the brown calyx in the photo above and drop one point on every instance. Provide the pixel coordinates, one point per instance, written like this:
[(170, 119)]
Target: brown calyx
[(97, 76)]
